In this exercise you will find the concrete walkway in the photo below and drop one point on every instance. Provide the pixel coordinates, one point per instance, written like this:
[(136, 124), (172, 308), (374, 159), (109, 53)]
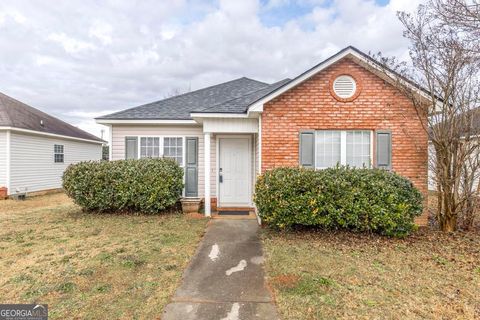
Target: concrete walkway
[(225, 279)]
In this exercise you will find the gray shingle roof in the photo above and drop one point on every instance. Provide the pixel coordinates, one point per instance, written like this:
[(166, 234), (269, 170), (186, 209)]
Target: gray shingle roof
[(228, 97), (180, 107), (241, 104), (14, 113)]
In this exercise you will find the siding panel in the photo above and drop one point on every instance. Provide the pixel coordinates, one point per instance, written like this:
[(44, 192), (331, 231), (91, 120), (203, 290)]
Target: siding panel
[(32, 164), (3, 158)]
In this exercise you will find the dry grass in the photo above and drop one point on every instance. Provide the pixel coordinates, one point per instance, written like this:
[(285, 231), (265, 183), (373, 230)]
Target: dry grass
[(322, 275), (91, 266)]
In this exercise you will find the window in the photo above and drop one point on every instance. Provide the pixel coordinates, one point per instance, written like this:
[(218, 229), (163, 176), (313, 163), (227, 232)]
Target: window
[(58, 154), (358, 148), (328, 149), (173, 148), (149, 147), (168, 147), (351, 148)]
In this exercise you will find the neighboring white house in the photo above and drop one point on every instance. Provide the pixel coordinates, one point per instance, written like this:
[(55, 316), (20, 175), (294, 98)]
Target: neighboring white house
[(36, 148)]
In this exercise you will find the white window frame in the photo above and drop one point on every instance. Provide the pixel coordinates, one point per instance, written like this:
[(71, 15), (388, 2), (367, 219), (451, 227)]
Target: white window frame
[(160, 149), (59, 153), (343, 146)]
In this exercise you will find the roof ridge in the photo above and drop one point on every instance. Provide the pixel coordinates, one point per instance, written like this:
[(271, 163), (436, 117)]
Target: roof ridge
[(249, 93), (183, 94)]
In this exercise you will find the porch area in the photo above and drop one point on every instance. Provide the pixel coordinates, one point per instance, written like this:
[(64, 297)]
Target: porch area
[(231, 163)]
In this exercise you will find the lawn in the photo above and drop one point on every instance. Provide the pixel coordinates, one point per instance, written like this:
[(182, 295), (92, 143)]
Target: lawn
[(327, 275), (91, 266)]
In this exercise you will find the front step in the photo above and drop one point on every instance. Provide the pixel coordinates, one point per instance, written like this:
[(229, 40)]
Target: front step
[(225, 215)]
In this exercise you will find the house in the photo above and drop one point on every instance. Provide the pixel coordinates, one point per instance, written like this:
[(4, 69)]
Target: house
[(344, 110), (36, 148)]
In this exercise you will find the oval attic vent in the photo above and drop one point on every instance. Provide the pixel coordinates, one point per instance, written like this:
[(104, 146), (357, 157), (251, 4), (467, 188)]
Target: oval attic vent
[(344, 86)]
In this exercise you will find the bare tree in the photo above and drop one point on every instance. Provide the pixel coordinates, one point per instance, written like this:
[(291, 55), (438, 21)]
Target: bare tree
[(463, 15), (445, 63)]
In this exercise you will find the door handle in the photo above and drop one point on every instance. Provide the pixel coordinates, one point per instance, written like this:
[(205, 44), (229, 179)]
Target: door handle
[(220, 176)]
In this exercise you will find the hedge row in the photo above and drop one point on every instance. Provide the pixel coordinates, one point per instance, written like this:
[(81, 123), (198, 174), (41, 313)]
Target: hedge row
[(365, 200), (146, 185)]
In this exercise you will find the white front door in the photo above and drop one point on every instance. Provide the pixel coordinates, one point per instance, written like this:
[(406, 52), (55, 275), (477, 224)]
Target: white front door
[(234, 172)]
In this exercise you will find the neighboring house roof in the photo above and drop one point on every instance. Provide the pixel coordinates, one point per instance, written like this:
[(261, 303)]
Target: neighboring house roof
[(242, 95), (179, 107), (16, 114)]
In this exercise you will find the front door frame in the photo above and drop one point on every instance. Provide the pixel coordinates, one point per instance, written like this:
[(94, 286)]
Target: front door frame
[(217, 166)]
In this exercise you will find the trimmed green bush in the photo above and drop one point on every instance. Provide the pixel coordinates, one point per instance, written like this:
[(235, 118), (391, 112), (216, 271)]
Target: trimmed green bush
[(146, 185), (364, 200)]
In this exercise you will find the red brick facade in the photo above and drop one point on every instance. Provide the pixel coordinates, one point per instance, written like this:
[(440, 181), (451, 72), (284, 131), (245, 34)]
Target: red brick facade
[(376, 106)]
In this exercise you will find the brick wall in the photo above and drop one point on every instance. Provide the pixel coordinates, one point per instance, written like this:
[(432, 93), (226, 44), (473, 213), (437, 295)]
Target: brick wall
[(378, 106)]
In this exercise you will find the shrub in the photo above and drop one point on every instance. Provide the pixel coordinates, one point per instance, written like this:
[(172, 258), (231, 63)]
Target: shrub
[(146, 185), (365, 200)]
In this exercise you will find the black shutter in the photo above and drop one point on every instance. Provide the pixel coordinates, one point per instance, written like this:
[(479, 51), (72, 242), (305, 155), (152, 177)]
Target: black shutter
[(384, 149), (307, 149), (191, 167), (131, 148)]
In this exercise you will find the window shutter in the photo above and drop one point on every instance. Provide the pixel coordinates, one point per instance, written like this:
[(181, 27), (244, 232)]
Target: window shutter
[(384, 149), (191, 167), (131, 148), (307, 149)]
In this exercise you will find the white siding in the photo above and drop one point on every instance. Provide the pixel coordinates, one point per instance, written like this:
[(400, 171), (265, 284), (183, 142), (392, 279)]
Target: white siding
[(119, 132), (32, 164), (3, 158), (229, 125)]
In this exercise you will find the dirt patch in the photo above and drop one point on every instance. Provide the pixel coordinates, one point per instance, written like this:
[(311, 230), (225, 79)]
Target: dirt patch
[(195, 216), (285, 281)]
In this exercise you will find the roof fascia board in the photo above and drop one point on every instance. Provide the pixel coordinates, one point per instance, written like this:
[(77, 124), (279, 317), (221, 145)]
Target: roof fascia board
[(143, 121), (49, 134), (219, 115)]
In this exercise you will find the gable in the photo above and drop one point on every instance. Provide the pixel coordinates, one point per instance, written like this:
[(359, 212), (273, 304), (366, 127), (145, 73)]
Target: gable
[(370, 88), (353, 55)]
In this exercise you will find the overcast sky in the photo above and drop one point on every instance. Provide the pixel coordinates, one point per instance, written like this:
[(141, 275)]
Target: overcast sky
[(80, 59)]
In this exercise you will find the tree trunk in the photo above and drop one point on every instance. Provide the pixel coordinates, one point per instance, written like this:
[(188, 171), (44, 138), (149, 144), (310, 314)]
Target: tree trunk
[(448, 216), (450, 224)]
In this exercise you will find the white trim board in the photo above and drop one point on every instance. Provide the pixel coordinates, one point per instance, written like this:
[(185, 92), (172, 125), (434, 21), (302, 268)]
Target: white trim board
[(144, 121), (50, 134), (219, 115)]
